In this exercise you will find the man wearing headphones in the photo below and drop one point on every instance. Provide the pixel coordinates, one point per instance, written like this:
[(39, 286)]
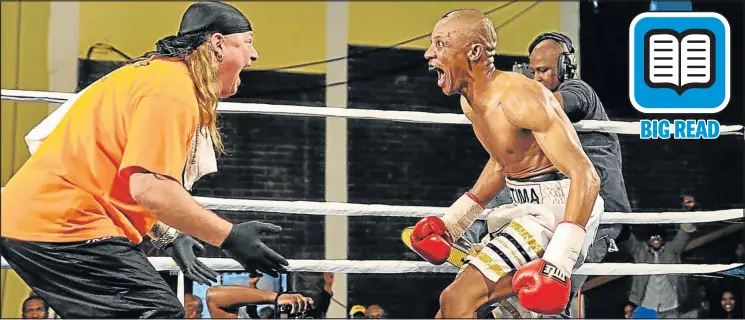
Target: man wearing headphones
[(552, 63)]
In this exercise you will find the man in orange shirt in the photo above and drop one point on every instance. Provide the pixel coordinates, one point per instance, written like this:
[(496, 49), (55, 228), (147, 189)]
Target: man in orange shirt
[(114, 168)]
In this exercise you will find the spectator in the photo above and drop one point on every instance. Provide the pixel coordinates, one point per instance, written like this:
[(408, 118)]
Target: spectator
[(628, 309), (193, 306), (324, 301), (727, 308), (690, 204), (375, 312), (321, 296), (357, 312), (662, 293), (35, 308)]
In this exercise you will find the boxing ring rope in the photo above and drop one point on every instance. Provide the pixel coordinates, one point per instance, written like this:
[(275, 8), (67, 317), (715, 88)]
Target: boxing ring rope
[(351, 209), (398, 267), (360, 210), (618, 127)]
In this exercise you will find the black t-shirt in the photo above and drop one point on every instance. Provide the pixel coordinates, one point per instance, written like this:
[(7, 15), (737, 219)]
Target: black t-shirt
[(582, 103)]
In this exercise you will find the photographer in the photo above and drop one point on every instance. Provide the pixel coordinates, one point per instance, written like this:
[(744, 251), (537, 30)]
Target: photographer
[(552, 63)]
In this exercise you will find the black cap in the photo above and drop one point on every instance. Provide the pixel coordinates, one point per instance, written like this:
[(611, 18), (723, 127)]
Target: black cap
[(199, 20), (213, 16)]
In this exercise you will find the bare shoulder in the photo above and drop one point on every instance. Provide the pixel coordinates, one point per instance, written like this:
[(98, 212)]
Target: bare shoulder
[(526, 103), (466, 107)]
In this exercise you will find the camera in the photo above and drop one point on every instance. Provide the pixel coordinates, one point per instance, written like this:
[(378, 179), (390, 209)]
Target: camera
[(284, 313), (523, 68)]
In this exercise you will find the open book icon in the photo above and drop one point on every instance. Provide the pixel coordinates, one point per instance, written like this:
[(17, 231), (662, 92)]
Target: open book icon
[(679, 61)]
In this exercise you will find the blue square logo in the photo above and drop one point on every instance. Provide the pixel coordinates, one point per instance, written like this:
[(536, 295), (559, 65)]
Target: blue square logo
[(679, 62)]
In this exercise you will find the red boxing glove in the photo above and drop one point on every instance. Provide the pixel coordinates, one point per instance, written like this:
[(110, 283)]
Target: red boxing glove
[(430, 239), (542, 287)]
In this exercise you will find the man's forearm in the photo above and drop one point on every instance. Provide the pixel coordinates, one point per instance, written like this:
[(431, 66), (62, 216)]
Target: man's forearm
[(227, 296), (583, 192), (566, 243), (223, 301), (172, 205), (490, 183), (464, 211)]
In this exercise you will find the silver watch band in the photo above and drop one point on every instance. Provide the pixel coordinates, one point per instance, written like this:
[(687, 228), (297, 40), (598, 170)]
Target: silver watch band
[(162, 238)]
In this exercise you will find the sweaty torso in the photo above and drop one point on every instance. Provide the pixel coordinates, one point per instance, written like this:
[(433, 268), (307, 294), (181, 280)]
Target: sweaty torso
[(514, 148)]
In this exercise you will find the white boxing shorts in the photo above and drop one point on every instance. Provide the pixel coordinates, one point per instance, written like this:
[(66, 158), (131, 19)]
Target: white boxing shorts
[(519, 232)]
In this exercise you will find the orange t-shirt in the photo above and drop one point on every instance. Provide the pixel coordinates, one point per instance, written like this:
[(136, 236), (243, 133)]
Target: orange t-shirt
[(76, 186)]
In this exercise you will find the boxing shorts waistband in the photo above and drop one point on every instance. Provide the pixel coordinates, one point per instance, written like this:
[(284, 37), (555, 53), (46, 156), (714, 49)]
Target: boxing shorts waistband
[(548, 176), (547, 188)]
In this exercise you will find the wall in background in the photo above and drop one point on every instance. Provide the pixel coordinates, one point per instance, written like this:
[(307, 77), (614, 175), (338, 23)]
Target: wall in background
[(24, 63), (287, 33)]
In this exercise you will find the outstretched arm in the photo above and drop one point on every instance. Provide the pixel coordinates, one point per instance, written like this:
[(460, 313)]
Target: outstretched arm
[(544, 285), (534, 108), (224, 301), (174, 206), (682, 237)]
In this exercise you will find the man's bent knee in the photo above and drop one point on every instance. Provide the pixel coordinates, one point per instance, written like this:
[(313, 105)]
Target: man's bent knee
[(448, 299), (469, 291)]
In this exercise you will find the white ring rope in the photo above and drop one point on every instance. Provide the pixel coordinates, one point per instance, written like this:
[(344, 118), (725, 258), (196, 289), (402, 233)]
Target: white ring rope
[(618, 127), (355, 209), (380, 210), (397, 267)]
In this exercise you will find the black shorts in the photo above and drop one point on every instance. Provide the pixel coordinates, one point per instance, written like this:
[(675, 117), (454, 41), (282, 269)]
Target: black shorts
[(100, 278)]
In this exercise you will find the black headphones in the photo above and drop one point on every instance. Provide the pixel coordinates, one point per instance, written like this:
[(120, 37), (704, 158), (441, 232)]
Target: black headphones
[(566, 67)]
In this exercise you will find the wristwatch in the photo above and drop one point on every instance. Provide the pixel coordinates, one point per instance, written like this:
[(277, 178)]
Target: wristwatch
[(162, 238)]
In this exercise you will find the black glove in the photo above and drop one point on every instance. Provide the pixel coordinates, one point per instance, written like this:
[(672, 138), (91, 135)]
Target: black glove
[(182, 250), (245, 246)]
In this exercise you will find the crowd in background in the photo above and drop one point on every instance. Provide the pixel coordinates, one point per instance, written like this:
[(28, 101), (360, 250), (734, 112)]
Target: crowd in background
[(680, 296)]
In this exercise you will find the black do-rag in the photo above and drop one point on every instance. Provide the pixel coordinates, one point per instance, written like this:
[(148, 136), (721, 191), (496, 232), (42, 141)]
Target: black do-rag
[(200, 20)]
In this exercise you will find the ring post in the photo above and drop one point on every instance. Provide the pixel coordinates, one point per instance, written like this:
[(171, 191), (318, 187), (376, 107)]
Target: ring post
[(335, 227)]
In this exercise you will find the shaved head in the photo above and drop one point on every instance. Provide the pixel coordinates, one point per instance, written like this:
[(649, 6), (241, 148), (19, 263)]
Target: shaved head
[(543, 63), (549, 46), (473, 27)]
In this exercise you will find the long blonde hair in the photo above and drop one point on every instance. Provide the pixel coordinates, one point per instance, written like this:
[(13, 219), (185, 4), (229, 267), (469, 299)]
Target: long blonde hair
[(203, 67)]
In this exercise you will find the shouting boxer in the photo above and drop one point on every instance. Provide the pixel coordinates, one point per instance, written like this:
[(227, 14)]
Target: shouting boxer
[(536, 242), (114, 168)]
